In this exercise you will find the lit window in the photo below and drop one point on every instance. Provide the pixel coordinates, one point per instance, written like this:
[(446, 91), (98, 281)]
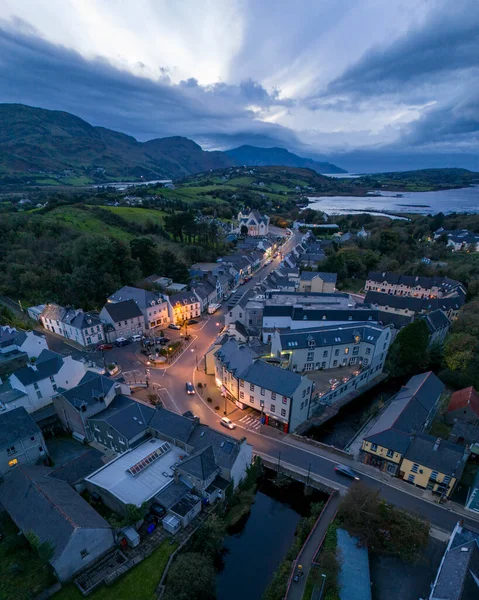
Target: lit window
[(346, 351), (374, 447), (251, 399), (13, 462)]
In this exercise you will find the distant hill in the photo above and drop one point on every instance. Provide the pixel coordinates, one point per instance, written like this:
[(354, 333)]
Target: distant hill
[(263, 157), (35, 140)]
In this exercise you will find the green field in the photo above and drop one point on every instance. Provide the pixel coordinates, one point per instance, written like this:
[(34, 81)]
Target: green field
[(137, 215), (139, 583), (84, 221)]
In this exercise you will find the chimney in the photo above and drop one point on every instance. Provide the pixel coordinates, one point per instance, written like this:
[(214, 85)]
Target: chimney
[(436, 444), (117, 390)]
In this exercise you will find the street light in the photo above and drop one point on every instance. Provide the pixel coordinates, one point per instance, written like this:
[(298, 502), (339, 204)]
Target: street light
[(322, 586), (168, 354)]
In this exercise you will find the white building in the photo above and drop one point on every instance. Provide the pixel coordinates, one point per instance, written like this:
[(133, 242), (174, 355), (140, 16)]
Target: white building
[(122, 319), (34, 386), (257, 224), (154, 306), (30, 342), (73, 324), (280, 395), (185, 305)]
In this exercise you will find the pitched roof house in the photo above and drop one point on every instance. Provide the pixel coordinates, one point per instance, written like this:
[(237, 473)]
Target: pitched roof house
[(464, 406)]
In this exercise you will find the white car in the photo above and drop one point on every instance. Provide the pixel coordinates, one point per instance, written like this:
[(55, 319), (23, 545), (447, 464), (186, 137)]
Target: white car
[(173, 326), (136, 338), (227, 423)]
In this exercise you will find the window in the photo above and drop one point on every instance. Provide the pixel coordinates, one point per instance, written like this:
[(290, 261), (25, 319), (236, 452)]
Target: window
[(414, 468), (306, 402), (273, 395), (52, 379), (346, 351), (310, 356), (446, 480), (301, 406), (365, 361), (325, 354), (35, 386), (241, 395), (335, 363), (241, 383), (32, 439), (356, 350), (285, 400), (251, 387), (434, 475), (13, 462), (336, 352), (273, 408), (283, 412), (251, 399), (411, 478), (39, 394), (55, 387), (262, 391), (390, 453), (84, 553), (11, 450), (374, 447), (368, 350), (323, 365)]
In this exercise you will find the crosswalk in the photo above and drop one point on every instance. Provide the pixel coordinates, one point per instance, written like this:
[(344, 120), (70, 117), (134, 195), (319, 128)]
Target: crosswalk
[(250, 422)]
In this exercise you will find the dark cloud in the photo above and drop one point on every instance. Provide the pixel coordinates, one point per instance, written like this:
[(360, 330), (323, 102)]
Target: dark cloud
[(445, 44), (36, 72)]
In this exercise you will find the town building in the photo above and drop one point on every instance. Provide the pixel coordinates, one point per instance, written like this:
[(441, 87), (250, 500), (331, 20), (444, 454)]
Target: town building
[(438, 325), (181, 464), (34, 385), (73, 324), (35, 312), (122, 319), (312, 281), (459, 239), (121, 425), (17, 348), (92, 395), (257, 224), (51, 510), (458, 574), (21, 440), (281, 396), (185, 305), (206, 293), (154, 306), (414, 286), (331, 347), (409, 306), (463, 407)]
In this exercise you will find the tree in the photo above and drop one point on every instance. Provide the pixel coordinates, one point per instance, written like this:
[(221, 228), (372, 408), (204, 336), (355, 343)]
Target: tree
[(409, 351), (145, 251), (45, 550), (209, 538), (191, 577), (388, 241), (459, 351)]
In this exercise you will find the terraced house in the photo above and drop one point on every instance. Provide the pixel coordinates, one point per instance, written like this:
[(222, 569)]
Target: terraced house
[(154, 306), (397, 445), (411, 285), (73, 324), (185, 305)]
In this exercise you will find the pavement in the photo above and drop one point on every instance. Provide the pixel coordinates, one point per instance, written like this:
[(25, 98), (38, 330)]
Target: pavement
[(266, 441)]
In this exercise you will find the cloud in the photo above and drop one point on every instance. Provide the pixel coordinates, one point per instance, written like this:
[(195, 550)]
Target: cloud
[(36, 72)]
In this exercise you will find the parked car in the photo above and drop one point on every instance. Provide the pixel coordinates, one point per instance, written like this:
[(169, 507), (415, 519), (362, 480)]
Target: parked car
[(164, 340), (347, 471), (173, 326), (104, 346), (227, 423), (157, 510), (189, 388), (192, 322), (136, 338), (121, 341)]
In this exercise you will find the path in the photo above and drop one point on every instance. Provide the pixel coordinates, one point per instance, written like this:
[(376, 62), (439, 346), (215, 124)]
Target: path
[(311, 546)]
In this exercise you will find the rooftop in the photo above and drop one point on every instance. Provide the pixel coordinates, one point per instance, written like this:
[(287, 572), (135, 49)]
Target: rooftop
[(437, 454), (46, 365), (354, 578), (143, 298), (121, 311), (463, 398), (92, 388), (329, 336), (15, 425), (127, 416), (118, 479)]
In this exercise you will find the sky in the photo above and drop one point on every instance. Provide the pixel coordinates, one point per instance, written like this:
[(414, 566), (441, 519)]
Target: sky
[(368, 84)]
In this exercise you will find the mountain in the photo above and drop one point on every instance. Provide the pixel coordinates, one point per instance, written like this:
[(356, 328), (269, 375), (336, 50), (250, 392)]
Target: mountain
[(263, 157), (39, 145), (34, 140)]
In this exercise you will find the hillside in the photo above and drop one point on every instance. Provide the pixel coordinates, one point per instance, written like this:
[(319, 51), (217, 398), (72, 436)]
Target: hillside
[(38, 143), (261, 157)]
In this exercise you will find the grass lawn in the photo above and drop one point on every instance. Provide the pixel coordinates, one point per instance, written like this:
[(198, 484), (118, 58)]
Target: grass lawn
[(22, 575), (138, 584), (351, 285), (136, 215)]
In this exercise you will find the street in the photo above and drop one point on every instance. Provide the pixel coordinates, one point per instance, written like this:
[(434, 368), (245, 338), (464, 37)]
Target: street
[(170, 380)]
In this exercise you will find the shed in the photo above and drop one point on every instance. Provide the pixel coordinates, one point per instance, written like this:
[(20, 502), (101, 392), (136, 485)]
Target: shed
[(171, 524)]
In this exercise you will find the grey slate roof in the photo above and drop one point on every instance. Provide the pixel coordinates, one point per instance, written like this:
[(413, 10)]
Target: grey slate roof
[(173, 425), (54, 312), (121, 311), (16, 425), (407, 412), (143, 298), (172, 494), (126, 416), (329, 336), (201, 464), (79, 467), (49, 507), (235, 357), (326, 277), (437, 321), (90, 388), (458, 576), (443, 283), (354, 578), (414, 304), (465, 431), (8, 336), (46, 365), (225, 447), (447, 458), (270, 377), (183, 298), (9, 394), (80, 319), (300, 313)]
